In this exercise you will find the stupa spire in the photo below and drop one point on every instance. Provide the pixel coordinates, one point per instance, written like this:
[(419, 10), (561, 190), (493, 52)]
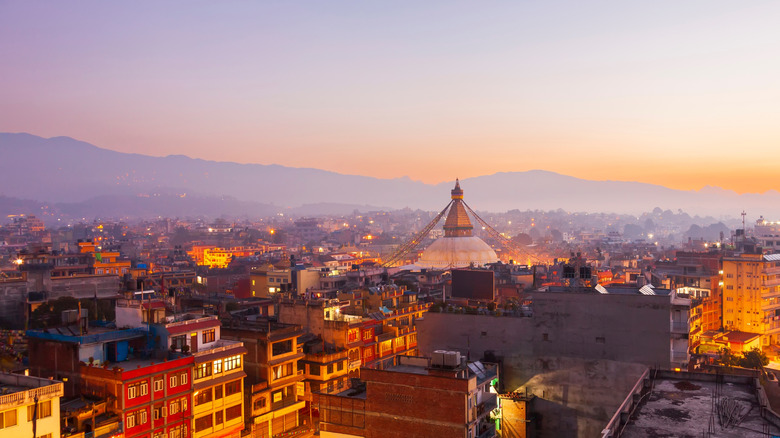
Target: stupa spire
[(457, 223)]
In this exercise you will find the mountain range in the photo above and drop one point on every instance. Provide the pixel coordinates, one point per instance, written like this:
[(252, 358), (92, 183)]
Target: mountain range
[(80, 179)]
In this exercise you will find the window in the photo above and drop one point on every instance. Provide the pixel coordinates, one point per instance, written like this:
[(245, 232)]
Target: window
[(340, 366), (203, 423), (203, 370), (203, 396), (330, 368), (233, 387), (368, 334), (183, 404), (218, 417), (159, 385), (159, 412), (259, 403), (173, 408), (178, 432), (353, 335), (282, 347), (44, 410), (209, 335), (281, 371), (217, 366), (233, 412), (143, 417), (183, 378), (217, 392), (174, 381), (314, 370), (130, 421), (232, 362), (8, 419), (179, 341), (137, 389)]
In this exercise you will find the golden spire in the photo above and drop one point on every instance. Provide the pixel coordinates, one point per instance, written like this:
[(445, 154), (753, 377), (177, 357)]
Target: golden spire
[(457, 223)]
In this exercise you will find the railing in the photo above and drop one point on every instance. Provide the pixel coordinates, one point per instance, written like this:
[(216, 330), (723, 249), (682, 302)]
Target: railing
[(221, 345), (190, 321), (612, 428), (680, 327), (28, 396)]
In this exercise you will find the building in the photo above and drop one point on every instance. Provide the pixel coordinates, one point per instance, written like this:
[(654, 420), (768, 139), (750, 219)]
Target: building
[(29, 406), (458, 248), (767, 234), (419, 397), (577, 350), (751, 296), (275, 396), (372, 340)]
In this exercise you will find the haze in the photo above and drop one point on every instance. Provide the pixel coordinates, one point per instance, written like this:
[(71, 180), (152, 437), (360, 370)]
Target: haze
[(679, 94)]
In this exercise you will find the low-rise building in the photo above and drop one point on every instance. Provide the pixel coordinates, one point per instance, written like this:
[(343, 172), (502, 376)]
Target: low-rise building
[(418, 397)]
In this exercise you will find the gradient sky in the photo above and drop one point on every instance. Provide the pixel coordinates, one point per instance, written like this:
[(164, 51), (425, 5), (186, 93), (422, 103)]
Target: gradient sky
[(683, 94)]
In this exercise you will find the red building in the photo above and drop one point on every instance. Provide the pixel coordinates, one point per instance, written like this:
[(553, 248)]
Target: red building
[(155, 398)]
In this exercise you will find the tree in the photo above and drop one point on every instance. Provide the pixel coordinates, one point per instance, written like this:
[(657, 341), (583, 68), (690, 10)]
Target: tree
[(755, 358), (727, 358)]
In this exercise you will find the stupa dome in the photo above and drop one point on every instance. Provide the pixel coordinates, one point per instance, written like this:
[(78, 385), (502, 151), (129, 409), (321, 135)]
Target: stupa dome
[(457, 252)]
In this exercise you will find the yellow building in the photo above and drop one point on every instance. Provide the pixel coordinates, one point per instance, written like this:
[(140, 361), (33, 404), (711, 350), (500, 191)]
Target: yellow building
[(267, 281), (276, 394), (751, 295), (217, 380), (26, 399)]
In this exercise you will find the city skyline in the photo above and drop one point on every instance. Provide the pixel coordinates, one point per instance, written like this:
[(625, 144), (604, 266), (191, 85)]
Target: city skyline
[(676, 95)]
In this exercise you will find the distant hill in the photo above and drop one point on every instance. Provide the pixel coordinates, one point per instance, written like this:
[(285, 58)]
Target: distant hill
[(71, 174)]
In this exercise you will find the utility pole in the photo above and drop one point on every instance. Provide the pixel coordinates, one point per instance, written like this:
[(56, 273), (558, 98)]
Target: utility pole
[(35, 416)]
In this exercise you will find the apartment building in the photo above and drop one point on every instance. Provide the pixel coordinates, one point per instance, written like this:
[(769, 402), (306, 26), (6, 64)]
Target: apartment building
[(275, 395), (372, 340), (751, 295)]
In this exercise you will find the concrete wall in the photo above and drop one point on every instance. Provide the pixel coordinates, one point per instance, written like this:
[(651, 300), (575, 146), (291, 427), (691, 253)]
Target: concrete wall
[(13, 297), (580, 354)]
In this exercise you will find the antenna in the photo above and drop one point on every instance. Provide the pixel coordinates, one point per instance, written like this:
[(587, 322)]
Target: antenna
[(743, 219)]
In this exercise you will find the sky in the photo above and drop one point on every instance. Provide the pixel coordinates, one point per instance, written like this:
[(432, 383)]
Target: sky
[(681, 94)]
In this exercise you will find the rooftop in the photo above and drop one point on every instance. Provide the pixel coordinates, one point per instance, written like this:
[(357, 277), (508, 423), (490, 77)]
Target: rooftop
[(696, 405)]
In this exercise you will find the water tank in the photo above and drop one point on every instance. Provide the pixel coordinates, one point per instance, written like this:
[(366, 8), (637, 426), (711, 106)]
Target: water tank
[(452, 359), (437, 358)]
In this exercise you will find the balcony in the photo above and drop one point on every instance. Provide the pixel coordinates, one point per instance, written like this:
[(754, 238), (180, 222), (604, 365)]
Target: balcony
[(679, 327), (679, 356), (489, 402), (487, 430), (284, 402)]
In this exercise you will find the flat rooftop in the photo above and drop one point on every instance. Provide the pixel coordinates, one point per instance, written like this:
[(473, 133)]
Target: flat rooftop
[(688, 409)]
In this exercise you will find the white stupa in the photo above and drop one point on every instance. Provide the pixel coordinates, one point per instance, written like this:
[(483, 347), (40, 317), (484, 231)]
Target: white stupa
[(458, 248)]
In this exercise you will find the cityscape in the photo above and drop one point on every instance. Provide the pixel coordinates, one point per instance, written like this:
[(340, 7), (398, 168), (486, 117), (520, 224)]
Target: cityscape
[(342, 220)]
